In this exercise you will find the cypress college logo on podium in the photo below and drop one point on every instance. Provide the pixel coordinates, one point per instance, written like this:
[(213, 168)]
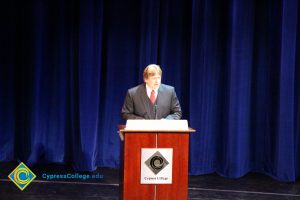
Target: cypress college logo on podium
[(22, 176), (156, 165)]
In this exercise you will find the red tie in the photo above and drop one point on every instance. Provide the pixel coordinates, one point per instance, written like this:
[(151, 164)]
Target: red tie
[(152, 97)]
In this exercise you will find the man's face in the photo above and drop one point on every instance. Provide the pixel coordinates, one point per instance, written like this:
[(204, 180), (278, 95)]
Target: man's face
[(153, 81)]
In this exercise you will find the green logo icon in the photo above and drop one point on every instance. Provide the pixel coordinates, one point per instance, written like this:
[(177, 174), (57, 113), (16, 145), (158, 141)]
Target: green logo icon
[(22, 176)]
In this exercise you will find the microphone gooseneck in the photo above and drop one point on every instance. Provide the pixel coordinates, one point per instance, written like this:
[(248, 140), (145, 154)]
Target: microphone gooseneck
[(155, 110)]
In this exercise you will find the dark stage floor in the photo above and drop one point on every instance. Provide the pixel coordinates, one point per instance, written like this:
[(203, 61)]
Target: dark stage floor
[(105, 186)]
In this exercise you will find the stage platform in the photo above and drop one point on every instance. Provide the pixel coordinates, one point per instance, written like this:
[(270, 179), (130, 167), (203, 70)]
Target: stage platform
[(105, 185)]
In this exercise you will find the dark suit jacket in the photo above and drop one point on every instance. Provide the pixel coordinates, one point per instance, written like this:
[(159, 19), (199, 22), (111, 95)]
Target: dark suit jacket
[(137, 104)]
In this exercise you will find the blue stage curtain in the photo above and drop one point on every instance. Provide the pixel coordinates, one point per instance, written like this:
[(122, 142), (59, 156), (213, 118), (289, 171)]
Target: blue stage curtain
[(65, 67)]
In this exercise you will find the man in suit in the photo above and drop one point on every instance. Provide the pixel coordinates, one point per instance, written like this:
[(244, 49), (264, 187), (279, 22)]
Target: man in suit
[(151, 100)]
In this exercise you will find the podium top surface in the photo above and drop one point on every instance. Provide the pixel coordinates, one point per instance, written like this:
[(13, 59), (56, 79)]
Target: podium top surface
[(123, 130), (154, 124)]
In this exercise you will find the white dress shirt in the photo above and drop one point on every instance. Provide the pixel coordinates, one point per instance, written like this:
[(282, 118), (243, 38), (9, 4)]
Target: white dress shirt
[(149, 90)]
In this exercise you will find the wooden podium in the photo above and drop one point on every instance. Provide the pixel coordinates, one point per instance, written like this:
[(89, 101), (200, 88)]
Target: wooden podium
[(130, 171)]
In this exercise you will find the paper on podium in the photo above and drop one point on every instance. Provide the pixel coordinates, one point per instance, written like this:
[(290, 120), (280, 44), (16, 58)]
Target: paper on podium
[(160, 125)]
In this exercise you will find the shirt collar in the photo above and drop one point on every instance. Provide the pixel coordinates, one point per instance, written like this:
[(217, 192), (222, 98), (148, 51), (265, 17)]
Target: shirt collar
[(149, 90)]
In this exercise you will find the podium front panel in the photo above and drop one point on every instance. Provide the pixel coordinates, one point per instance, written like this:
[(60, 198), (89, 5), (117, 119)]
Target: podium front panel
[(179, 187), (132, 187), (132, 156)]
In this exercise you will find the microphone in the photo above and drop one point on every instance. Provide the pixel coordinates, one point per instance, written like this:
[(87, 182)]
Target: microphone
[(155, 110)]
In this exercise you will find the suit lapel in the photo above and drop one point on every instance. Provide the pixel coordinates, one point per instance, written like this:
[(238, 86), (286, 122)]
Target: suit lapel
[(145, 100), (159, 100)]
